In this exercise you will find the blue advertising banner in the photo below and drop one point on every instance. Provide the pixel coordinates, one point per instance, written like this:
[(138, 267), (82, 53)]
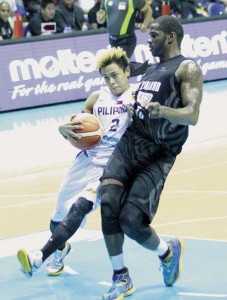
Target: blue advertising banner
[(52, 71)]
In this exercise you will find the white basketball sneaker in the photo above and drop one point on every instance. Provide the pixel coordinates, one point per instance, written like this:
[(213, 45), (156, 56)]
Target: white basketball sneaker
[(30, 261), (55, 265)]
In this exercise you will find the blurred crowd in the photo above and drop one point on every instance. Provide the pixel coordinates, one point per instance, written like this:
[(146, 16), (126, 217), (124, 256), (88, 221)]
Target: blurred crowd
[(186, 9), (42, 17)]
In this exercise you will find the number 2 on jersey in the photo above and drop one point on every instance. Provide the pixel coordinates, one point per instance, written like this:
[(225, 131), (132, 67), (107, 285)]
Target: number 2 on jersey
[(115, 123)]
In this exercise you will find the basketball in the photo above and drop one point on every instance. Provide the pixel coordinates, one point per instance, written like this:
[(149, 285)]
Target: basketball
[(91, 134)]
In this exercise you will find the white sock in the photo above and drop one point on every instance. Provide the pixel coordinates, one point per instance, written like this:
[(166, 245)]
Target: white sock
[(162, 248), (117, 262)]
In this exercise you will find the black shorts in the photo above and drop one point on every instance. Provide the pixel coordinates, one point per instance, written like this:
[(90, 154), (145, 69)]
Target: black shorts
[(142, 166), (128, 44)]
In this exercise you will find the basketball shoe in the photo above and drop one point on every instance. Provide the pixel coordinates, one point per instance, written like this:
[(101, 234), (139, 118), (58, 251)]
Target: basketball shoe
[(122, 287), (30, 261), (172, 265), (55, 265)]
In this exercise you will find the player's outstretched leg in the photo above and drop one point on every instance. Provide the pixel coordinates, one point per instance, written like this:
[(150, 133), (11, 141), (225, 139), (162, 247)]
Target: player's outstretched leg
[(121, 287), (30, 261), (55, 265), (172, 264)]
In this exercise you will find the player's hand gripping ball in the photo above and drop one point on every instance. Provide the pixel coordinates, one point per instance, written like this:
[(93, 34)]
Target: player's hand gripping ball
[(90, 135)]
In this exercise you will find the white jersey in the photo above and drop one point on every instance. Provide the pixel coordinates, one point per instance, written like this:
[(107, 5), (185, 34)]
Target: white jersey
[(113, 115), (82, 179)]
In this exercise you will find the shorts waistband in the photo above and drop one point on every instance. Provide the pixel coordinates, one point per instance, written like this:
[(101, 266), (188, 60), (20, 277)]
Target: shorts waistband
[(120, 37)]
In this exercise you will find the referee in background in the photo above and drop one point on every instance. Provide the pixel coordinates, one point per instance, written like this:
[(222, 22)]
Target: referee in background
[(120, 16)]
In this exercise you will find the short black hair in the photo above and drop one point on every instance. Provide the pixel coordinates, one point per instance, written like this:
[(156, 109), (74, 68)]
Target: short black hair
[(44, 3), (170, 24)]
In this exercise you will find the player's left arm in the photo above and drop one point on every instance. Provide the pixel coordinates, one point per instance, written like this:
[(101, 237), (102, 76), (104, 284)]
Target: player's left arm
[(191, 86), (137, 68)]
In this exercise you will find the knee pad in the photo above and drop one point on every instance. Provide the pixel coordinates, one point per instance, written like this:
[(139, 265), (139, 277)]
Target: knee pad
[(77, 212), (112, 197), (134, 223), (53, 225)]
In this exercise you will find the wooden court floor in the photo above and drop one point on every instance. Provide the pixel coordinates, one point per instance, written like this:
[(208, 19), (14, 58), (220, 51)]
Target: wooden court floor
[(193, 203)]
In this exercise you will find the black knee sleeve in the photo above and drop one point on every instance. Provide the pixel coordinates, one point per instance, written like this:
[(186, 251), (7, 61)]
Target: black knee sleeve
[(112, 198), (134, 223), (76, 214)]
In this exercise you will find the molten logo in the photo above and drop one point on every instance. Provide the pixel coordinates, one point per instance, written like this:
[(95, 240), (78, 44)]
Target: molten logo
[(65, 63)]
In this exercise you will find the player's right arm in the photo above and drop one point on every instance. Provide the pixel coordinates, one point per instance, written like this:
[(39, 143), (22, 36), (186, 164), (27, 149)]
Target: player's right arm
[(68, 130), (190, 77)]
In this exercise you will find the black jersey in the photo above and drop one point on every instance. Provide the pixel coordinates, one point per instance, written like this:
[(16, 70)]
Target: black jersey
[(159, 84)]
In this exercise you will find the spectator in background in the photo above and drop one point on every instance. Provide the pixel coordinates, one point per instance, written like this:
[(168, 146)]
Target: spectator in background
[(121, 20), (46, 15), (156, 6), (21, 9), (225, 4), (215, 8), (190, 9), (6, 31), (71, 14), (32, 7), (92, 19), (86, 5), (13, 6)]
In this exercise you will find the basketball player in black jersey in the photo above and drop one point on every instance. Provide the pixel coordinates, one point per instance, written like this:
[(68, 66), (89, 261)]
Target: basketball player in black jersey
[(166, 103)]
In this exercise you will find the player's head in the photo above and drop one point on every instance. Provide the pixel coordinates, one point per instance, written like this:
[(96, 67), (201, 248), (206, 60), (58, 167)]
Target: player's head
[(114, 67), (165, 31), (114, 55)]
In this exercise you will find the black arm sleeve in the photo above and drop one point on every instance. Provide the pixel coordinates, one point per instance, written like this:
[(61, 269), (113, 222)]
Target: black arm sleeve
[(138, 68)]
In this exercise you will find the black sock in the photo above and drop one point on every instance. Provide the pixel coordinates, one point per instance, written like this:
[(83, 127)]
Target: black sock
[(121, 271), (165, 254), (53, 226)]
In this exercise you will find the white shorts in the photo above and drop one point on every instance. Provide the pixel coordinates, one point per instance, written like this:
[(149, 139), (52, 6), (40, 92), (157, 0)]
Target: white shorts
[(82, 180)]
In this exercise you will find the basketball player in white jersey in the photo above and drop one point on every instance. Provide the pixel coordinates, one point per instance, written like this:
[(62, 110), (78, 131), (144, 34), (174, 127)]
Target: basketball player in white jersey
[(79, 193)]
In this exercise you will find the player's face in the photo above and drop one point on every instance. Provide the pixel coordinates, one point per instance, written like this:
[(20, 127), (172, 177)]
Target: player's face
[(116, 79), (157, 41)]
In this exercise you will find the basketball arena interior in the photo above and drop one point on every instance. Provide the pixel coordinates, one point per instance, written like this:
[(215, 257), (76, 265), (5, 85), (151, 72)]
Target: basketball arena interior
[(43, 81)]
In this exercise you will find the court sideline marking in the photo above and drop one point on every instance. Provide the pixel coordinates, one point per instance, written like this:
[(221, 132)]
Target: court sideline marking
[(190, 221), (204, 295)]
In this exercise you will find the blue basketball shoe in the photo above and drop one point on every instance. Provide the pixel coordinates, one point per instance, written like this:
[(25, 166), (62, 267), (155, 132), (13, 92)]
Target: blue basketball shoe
[(172, 264), (122, 287)]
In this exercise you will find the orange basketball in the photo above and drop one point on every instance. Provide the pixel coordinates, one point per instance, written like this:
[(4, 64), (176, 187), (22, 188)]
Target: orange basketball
[(91, 134)]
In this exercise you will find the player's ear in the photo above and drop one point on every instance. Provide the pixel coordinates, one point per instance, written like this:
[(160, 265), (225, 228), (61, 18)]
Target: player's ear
[(127, 71), (172, 36)]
